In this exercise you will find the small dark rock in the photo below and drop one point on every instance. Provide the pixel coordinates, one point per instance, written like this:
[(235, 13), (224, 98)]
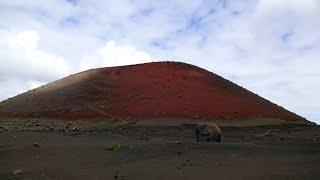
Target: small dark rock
[(36, 145), (116, 176), (244, 138), (5, 128)]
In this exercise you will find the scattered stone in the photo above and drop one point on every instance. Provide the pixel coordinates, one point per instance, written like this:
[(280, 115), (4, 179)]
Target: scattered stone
[(50, 128), (36, 145), (116, 176), (17, 172), (4, 128), (144, 138), (244, 138)]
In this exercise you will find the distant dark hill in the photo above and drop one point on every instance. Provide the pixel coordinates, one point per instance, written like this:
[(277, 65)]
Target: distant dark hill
[(159, 89)]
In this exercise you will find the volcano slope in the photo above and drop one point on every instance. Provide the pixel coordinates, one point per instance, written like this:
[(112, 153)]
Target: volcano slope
[(151, 90)]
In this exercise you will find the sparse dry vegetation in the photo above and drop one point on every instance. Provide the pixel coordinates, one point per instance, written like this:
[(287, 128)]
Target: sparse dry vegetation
[(114, 146)]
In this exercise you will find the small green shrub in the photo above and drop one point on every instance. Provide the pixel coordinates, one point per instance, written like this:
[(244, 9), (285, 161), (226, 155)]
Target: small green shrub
[(114, 146)]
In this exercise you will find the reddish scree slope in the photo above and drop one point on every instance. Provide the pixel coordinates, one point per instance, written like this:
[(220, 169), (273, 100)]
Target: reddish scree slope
[(160, 89)]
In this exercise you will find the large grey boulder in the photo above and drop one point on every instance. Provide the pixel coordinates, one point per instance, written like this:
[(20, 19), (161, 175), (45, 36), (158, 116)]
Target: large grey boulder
[(208, 132)]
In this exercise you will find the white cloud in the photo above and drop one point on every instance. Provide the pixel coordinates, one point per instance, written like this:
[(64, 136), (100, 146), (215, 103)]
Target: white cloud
[(25, 63), (112, 54), (24, 66), (12, 87), (22, 58), (27, 40)]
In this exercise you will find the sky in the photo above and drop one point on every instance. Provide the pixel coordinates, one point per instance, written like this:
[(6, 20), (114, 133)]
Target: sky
[(270, 47)]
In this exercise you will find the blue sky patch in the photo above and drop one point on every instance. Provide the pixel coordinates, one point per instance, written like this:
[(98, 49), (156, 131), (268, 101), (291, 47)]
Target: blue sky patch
[(73, 2), (196, 20), (286, 37), (147, 11), (159, 44), (70, 21)]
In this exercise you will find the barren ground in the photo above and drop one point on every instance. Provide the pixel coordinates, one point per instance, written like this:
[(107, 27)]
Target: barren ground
[(55, 149)]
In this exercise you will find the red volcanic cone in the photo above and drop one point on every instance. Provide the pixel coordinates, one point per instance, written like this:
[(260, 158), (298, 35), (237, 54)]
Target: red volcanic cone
[(158, 89)]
